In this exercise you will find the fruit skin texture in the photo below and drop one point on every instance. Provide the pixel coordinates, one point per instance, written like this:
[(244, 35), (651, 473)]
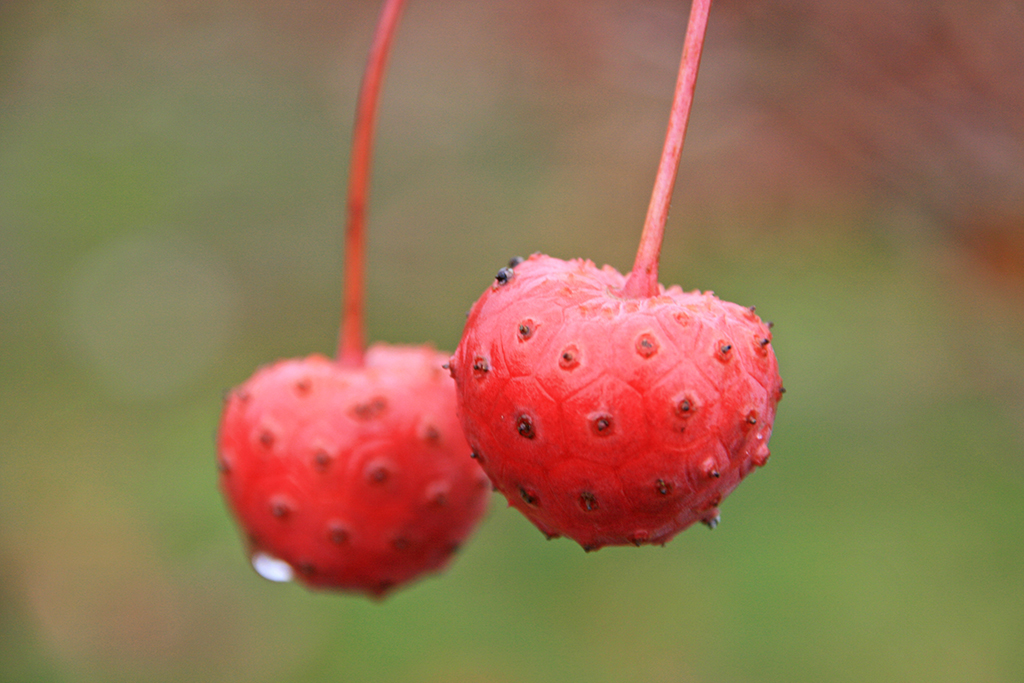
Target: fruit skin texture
[(359, 478), (613, 420)]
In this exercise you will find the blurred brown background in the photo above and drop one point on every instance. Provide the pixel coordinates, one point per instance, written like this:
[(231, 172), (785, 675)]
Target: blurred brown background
[(171, 202)]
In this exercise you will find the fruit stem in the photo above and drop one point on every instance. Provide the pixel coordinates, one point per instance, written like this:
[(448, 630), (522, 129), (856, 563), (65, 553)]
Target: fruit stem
[(351, 342), (643, 279)]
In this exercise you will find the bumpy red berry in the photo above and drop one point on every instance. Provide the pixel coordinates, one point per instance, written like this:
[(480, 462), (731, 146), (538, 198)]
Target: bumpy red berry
[(351, 478), (610, 419), (351, 474)]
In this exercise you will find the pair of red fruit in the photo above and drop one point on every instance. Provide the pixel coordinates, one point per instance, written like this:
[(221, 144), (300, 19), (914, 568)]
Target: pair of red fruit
[(605, 408)]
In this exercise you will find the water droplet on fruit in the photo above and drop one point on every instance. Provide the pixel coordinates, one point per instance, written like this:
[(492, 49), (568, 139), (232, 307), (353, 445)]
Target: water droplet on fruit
[(271, 568), (524, 425), (646, 345)]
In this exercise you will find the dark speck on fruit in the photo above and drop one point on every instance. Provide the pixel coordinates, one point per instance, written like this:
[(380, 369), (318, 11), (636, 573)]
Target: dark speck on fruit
[(602, 425), (378, 474), (321, 459), (503, 276), (569, 358), (524, 425), (337, 533), (646, 345), (371, 409), (279, 507), (528, 497)]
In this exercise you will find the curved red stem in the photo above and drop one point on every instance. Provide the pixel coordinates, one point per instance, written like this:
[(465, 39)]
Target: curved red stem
[(351, 342), (643, 279)]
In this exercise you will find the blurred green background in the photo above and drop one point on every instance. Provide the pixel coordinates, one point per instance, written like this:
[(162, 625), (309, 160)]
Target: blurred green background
[(171, 202)]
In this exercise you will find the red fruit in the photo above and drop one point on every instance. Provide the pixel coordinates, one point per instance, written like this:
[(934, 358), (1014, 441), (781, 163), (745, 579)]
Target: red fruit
[(609, 419), (352, 474), (359, 478)]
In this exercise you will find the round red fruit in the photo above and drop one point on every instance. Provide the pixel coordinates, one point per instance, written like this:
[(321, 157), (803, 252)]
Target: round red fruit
[(356, 479), (607, 419)]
